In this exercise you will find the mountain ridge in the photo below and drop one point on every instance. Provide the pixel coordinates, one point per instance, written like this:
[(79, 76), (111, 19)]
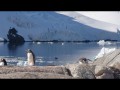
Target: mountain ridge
[(51, 25)]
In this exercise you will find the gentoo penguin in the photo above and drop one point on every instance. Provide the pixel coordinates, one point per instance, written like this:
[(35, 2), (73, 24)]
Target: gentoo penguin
[(83, 61), (3, 62), (30, 57)]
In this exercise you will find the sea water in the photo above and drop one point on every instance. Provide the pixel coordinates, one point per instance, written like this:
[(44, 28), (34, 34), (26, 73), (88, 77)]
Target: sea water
[(48, 53)]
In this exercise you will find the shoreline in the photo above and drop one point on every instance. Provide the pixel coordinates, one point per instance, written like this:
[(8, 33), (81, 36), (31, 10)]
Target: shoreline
[(56, 41), (105, 67)]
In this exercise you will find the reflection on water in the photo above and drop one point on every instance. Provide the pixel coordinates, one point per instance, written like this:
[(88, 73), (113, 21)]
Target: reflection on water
[(51, 53)]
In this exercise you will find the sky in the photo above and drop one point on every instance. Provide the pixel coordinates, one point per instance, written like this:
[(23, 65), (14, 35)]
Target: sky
[(107, 16)]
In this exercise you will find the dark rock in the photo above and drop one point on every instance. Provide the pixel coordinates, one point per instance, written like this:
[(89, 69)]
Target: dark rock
[(116, 72), (14, 37), (5, 40)]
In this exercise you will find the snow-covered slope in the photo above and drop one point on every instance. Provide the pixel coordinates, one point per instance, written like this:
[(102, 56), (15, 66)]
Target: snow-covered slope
[(56, 26), (106, 16)]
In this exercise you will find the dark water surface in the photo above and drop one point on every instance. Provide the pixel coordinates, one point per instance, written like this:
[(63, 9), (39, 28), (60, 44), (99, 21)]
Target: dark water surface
[(51, 53)]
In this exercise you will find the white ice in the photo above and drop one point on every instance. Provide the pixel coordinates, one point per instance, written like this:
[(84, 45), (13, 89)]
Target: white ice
[(22, 63), (104, 51), (103, 42)]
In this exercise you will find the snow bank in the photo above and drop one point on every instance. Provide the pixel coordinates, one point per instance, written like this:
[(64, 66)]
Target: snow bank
[(104, 51)]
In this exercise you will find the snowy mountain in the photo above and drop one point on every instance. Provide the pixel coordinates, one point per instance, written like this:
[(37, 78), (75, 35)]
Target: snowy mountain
[(106, 16), (50, 25)]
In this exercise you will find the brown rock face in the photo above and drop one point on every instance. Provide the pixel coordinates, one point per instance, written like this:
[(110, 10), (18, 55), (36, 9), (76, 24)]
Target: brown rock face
[(99, 70), (34, 72)]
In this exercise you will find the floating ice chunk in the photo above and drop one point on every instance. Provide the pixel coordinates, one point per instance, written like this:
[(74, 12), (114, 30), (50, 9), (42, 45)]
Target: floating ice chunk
[(50, 42), (102, 42), (1, 64), (22, 63), (108, 43), (38, 42), (104, 51), (62, 43)]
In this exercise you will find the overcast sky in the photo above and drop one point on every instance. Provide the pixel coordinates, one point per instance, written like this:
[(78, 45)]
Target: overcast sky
[(107, 16)]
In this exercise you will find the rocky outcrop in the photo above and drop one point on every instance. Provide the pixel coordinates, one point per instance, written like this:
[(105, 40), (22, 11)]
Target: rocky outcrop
[(108, 66), (108, 59), (36, 72), (33, 75), (99, 70), (81, 71), (102, 72), (14, 37), (106, 76)]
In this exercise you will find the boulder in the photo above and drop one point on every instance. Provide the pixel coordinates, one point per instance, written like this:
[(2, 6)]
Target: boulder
[(102, 72), (106, 76), (108, 63), (115, 65), (99, 70), (81, 71), (116, 72), (14, 37)]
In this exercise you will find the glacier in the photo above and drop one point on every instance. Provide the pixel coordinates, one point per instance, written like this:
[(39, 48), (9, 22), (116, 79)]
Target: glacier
[(56, 25)]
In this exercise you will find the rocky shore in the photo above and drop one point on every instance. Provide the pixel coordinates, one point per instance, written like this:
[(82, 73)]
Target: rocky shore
[(106, 67)]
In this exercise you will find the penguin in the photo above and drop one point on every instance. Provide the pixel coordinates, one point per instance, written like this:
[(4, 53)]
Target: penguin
[(83, 61), (3, 62), (30, 57)]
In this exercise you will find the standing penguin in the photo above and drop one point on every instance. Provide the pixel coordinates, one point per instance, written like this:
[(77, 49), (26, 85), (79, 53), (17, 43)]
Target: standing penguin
[(3, 62), (30, 57)]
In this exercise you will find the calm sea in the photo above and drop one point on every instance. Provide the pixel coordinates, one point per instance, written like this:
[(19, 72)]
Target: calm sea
[(48, 53)]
